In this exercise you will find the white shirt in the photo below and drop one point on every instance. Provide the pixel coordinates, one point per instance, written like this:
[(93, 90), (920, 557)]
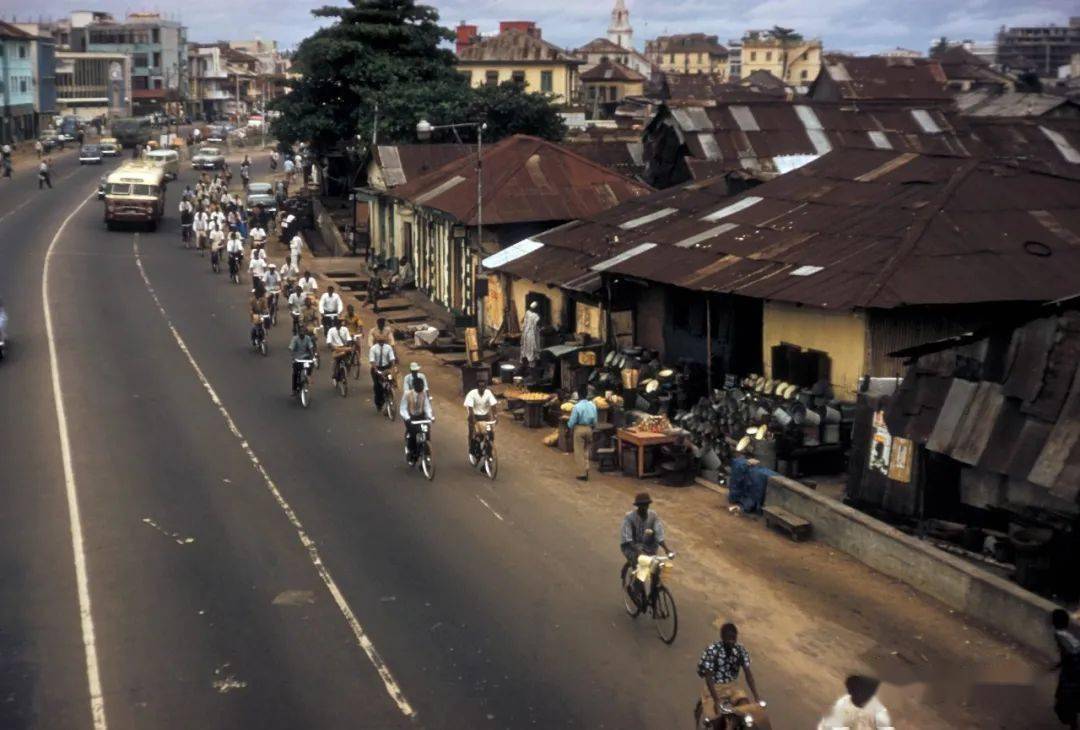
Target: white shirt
[(258, 235), (844, 715), (296, 301), (200, 223), (381, 355), (217, 238), (338, 337), (481, 404), (272, 280), (330, 303), (308, 285), (257, 266), (235, 245), (296, 245)]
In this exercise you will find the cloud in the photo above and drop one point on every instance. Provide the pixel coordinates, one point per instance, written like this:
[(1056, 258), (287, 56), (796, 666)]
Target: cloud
[(860, 25)]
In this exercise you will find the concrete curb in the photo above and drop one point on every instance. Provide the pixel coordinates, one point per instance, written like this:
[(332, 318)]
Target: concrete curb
[(992, 600)]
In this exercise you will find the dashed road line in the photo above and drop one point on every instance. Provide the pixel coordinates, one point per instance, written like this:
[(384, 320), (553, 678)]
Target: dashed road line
[(362, 639), (490, 508), (82, 581)]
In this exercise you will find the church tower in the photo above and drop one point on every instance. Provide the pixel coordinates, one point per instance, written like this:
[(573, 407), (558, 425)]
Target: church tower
[(619, 32)]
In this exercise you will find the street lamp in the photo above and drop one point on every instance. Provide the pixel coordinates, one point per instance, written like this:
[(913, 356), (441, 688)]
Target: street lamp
[(424, 128)]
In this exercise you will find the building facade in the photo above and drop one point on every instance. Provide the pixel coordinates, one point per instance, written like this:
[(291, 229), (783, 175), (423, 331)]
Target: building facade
[(606, 84), (519, 54), (90, 85), (691, 53), (18, 120), (158, 50), (793, 60), (1042, 49)]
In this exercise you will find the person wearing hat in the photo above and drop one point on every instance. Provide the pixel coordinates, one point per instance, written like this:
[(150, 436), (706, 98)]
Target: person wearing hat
[(582, 420), (414, 373), (859, 709), (642, 531)]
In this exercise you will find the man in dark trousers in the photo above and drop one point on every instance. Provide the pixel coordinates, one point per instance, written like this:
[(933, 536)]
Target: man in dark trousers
[(43, 175)]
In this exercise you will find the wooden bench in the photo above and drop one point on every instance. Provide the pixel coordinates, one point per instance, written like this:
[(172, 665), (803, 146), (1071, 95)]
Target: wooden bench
[(796, 527)]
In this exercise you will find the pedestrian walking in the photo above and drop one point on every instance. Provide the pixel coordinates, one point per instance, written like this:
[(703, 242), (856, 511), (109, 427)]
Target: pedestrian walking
[(581, 424), (44, 175), (6, 164), (39, 148), (273, 160), (1067, 696)]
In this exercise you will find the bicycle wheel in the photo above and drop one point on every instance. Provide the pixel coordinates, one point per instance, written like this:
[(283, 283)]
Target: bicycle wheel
[(625, 581), (304, 395), (388, 404), (356, 369), (491, 463), (665, 617), (262, 347), (342, 381), (427, 465)]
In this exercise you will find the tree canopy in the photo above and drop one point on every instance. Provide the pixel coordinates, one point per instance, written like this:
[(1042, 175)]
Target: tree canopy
[(383, 60)]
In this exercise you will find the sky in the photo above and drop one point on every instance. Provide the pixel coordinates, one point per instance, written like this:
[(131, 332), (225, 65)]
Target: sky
[(856, 26)]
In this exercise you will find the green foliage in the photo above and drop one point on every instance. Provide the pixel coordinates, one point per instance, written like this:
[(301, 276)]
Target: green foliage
[(382, 59), (786, 34)]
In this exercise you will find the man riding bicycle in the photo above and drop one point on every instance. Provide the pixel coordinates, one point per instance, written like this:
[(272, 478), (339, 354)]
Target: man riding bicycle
[(480, 405), (259, 309), (302, 347), (719, 667), (382, 359), (642, 531), (330, 307), (415, 406), (340, 343), (413, 374)]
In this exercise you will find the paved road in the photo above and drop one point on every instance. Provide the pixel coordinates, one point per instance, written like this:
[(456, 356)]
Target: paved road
[(209, 606)]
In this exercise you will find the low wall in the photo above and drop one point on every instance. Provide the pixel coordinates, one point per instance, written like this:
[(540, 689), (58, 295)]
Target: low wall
[(330, 233), (958, 584)]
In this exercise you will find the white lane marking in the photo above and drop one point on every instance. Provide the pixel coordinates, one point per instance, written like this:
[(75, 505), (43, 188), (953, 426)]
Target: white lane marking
[(93, 674), (490, 508), (362, 639)]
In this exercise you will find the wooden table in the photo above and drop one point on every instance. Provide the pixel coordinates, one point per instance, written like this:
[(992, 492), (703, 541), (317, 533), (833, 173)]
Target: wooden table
[(642, 440)]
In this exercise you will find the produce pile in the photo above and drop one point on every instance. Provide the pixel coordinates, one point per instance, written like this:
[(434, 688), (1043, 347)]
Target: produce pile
[(653, 424)]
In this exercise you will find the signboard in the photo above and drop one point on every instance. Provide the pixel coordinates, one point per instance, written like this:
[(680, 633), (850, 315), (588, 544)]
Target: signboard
[(880, 445), (902, 454)]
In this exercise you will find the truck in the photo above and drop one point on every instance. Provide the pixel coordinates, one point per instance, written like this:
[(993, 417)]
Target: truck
[(135, 193), (131, 132)]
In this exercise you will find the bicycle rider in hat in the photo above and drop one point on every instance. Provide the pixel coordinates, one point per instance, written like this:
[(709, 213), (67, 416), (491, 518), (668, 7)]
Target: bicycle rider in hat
[(642, 531)]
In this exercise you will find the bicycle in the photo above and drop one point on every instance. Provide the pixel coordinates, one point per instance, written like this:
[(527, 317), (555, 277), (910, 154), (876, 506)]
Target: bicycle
[(484, 456), (355, 364), (389, 399), (302, 391), (341, 373), (423, 447), (659, 601), (258, 339)]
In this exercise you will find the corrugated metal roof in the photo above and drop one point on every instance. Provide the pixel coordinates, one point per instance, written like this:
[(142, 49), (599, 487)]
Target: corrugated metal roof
[(982, 103), (526, 179), (513, 45), (884, 78), (404, 162)]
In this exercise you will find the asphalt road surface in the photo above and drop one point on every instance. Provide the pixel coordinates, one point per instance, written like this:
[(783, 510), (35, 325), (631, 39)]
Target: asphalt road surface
[(251, 564)]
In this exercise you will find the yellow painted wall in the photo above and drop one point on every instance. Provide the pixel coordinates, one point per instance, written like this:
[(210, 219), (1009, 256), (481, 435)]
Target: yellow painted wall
[(840, 334), (623, 88), (590, 321), (692, 63), (564, 78), (520, 287), (769, 56)]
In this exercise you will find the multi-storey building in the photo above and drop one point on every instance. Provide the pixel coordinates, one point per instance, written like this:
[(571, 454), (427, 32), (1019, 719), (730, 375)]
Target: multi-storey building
[(19, 81), (792, 59), (90, 85), (225, 82), (690, 53), (158, 49), (518, 54), (1043, 49)]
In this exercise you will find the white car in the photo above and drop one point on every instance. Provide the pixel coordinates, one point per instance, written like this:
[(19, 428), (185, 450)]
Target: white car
[(90, 154), (208, 158)]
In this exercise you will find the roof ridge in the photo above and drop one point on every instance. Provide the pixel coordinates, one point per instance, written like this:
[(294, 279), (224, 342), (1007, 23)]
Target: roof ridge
[(923, 219)]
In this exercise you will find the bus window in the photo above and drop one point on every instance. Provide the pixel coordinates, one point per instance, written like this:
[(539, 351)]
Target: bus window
[(120, 189), (141, 190)]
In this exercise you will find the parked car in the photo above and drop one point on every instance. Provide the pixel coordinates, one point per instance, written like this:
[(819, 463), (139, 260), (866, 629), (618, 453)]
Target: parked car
[(90, 154), (49, 141), (208, 158), (216, 134), (266, 200), (260, 188), (109, 147)]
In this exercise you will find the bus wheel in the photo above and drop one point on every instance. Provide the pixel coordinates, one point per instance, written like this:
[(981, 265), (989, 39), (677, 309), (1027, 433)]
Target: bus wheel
[(109, 225)]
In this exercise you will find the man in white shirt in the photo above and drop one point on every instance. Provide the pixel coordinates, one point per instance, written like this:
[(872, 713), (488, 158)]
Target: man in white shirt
[(296, 246), (307, 283), (382, 359), (480, 405), (257, 264), (414, 374), (258, 236), (340, 342), (859, 709), (415, 406), (201, 227), (235, 251), (216, 236), (330, 308)]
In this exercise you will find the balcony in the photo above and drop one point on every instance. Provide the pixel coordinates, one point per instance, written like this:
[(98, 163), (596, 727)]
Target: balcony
[(215, 94)]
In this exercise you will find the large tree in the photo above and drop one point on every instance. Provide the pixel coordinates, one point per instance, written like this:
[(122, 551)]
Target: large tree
[(383, 60)]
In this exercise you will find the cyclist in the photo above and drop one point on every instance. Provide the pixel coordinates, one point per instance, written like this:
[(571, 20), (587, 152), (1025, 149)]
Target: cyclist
[(480, 404), (330, 307), (415, 406), (257, 263), (309, 315), (302, 347), (259, 308), (381, 333), (719, 667), (215, 234), (235, 249), (340, 343), (382, 359), (414, 374), (187, 218), (308, 284), (272, 282), (354, 323), (642, 531)]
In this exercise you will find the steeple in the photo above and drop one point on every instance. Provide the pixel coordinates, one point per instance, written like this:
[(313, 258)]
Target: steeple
[(619, 32)]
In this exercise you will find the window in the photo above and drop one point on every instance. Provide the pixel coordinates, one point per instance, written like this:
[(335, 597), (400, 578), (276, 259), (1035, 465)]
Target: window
[(804, 74), (768, 55), (155, 33), (673, 58), (157, 59), (140, 60), (591, 92), (546, 83), (753, 55), (22, 84), (139, 82), (491, 78), (518, 77), (22, 51), (701, 58), (613, 93)]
